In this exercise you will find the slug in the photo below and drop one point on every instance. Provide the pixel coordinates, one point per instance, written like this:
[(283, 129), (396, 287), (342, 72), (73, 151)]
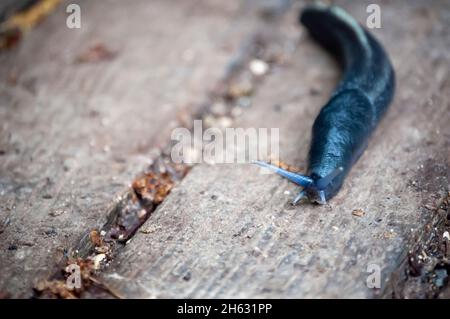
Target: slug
[(341, 131)]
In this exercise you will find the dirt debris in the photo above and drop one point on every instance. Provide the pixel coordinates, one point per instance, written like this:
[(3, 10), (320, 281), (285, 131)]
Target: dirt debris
[(241, 88), (287, 167), (427, 271), (9, 38), (133, 209), (97, 53), (150, 229), (258, 67), (153, 187), (147, 192), (389, 234), (358, 212), (58, 288), (88, 267), (96, 238)]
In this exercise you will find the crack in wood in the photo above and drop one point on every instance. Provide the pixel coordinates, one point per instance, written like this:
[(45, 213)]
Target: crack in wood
[(150, 189)]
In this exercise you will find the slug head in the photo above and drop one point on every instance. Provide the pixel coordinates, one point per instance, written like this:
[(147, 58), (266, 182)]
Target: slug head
[(316, 188), (321, 188)]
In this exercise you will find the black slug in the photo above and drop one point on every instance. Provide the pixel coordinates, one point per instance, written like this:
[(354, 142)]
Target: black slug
[(342, 129)]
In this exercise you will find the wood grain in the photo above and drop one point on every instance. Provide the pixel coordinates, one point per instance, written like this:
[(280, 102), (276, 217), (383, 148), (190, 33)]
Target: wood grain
[(229, 232), (74, 135)]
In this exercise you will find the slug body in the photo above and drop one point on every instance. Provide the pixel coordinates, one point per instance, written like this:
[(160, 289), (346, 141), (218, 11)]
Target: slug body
[(342, 129)]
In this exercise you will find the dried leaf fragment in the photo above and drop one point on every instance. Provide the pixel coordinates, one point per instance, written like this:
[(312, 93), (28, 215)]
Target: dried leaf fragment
[(153, 186), (96, 239), (97, 53), (358, 212)]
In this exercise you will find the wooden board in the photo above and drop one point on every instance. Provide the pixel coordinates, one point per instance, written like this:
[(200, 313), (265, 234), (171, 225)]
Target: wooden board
[(229, 232), (74, 135)]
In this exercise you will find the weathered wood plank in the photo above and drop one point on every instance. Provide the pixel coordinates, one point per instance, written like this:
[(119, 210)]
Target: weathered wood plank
[(74, 135), (228, 231)]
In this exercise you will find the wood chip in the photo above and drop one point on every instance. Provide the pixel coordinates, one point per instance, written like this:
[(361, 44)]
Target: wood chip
[(358, 212)]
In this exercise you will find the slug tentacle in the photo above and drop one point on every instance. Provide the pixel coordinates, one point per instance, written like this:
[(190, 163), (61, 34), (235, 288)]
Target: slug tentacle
[(298, 179), (342, 129), (299, 197)]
